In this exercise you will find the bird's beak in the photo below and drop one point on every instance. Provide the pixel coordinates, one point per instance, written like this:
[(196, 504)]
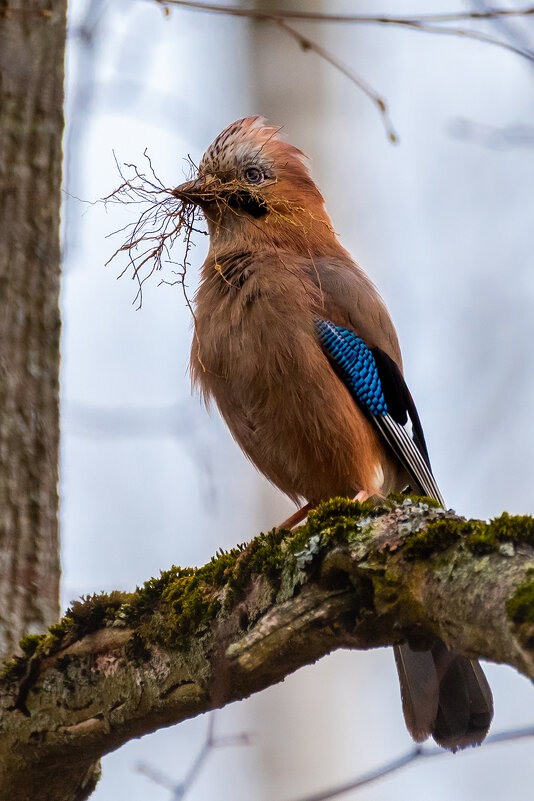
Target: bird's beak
[(198, 191)]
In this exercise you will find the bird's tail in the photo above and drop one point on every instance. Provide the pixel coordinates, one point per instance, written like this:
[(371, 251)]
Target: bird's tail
[(444, 695)]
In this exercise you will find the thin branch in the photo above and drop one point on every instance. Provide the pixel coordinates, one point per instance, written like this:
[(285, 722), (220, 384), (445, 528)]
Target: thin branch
[(307, 44), (414, 755), (505, 25), (162, 221), (373, 19), (466, 33), (427, 23), (389, 768), (211, 742), (368, 778)]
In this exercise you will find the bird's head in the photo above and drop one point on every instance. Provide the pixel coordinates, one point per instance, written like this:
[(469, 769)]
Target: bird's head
[(251, 184)]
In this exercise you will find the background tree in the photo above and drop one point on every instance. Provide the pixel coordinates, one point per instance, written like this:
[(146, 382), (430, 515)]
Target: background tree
[(32, 51)]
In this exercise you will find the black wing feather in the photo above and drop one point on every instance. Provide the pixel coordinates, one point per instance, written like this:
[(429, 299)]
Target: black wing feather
[(398, 398)]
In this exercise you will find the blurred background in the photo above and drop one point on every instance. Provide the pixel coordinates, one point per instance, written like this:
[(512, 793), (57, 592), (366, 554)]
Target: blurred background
[(443, 223)]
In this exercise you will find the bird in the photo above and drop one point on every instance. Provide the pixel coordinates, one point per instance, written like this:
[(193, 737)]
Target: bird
[(295, 345)]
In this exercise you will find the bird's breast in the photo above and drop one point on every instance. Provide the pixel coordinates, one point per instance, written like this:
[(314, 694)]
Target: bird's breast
[(250, 322), (257, 355)]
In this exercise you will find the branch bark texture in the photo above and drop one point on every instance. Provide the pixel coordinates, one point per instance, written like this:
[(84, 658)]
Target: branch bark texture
[(355, 576), (32, 46)]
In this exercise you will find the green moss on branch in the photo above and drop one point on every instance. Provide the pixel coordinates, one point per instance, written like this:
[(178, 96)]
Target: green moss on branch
[(180, 605), (477, 536)]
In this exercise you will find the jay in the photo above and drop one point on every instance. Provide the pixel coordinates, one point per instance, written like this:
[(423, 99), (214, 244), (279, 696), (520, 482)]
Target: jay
[(296, 347)]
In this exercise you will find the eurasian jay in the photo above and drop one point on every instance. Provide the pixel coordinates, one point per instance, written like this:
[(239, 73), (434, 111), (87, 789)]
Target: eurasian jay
[(296, 346)]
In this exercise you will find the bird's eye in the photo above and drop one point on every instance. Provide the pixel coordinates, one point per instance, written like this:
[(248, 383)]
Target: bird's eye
[(253, 175)]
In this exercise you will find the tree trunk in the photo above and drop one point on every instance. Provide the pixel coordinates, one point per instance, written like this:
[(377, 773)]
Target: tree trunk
[(32, 47)]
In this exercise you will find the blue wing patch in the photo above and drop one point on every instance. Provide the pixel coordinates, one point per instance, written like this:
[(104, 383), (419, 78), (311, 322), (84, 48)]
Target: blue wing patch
[(355, 362), (358, 370)]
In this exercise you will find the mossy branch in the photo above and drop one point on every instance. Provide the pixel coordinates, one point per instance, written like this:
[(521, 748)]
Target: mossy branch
[(355, 576)]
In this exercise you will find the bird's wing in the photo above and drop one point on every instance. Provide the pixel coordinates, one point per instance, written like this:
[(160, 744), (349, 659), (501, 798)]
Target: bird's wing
[(376, 384), (350, 299)]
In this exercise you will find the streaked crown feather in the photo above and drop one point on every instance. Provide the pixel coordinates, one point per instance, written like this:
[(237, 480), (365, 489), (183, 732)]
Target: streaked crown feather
[(251, 140)]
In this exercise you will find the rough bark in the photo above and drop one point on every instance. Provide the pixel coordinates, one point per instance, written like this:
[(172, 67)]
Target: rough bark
[(32, 44), (356, 576)]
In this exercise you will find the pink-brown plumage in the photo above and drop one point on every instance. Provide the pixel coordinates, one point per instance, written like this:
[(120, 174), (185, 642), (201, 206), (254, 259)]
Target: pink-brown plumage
[(255, 351), (275, 285)]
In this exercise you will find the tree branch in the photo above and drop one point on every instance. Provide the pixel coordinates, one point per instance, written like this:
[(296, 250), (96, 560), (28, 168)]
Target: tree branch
[(373, 19), (428, 23), (308, 44), (180, 789), (356, 576), (415, 754)]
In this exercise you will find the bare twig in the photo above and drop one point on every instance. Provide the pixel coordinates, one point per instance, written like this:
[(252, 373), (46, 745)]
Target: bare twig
[(505, 25), (413, 755), (428, 23), (467, 33), (307, 44), (373, 19), (163, 219), (211, 742)]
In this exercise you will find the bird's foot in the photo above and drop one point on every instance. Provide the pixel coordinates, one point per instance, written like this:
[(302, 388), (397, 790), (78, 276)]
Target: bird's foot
[(362, 496), (296, 518)]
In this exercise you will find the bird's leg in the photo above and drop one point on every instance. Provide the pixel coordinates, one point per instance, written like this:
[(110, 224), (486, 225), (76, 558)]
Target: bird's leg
[(296, 518)]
